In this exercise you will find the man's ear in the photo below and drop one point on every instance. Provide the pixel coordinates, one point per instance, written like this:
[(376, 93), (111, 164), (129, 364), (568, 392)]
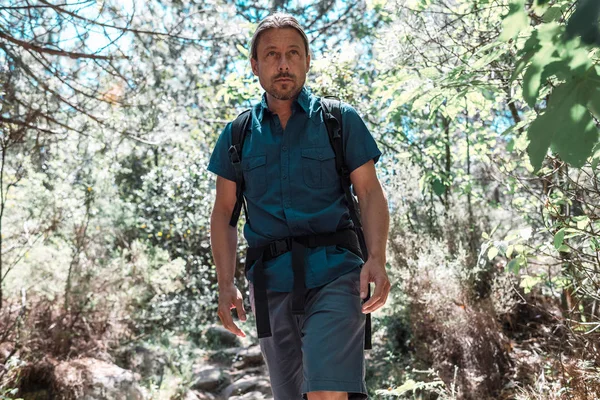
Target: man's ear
[(307, 62), (254, 65)]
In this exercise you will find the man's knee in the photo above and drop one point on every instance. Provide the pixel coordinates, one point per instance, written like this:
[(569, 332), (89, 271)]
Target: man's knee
[(322, 395)]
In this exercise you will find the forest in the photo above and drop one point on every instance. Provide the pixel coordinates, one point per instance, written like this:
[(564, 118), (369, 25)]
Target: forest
[(487, 113)]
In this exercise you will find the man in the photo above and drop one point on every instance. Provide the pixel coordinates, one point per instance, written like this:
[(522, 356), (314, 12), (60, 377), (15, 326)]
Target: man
[(313, 350)]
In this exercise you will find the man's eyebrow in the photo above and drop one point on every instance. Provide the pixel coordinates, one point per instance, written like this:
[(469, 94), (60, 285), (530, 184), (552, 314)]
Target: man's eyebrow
[(274, 47)]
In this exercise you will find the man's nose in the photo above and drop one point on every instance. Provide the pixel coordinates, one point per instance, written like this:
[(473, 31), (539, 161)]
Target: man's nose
[(283, 64)]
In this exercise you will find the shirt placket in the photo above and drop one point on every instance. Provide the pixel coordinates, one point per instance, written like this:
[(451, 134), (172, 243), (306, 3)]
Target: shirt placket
[(285, 159)]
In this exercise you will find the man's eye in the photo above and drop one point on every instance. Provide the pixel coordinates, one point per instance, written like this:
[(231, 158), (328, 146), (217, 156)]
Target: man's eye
[(270, 54), (294, 52)]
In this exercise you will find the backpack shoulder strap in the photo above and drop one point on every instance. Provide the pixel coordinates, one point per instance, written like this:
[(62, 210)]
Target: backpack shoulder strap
[(332, 115), (238, 135)]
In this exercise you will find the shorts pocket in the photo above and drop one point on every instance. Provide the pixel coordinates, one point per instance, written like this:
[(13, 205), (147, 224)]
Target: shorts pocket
[(318, 167), (355, 274), (255, 175)]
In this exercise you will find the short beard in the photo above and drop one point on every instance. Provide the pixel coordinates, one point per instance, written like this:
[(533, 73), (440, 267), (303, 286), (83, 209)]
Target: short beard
[(287, 95), (281, 96)]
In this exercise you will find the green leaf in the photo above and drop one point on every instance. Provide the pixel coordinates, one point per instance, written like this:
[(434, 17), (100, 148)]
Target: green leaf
[(575, 145), (595, 156), (559, 238), (554, 13), (243, 51), (564, 249), (560, 69), (595, 244), (528, 282), (514, 266), (532, 80), (510, 145), (566, 125), (509, 250), (532, 44), (438, 187), (584, 22), (594, 102), (488, 58), (540, 136), (521, 64), (515, 21), (492, 252), (578, 57), (583, 223)]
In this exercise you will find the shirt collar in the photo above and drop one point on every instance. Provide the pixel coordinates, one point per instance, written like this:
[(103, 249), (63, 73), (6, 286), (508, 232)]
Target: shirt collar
[(303, 100)]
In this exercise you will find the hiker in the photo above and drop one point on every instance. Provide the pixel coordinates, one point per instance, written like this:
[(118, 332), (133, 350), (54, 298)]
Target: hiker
[(289, 162)]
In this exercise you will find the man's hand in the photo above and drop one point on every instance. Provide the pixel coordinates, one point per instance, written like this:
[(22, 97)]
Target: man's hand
[(374, 271), (230, 297)]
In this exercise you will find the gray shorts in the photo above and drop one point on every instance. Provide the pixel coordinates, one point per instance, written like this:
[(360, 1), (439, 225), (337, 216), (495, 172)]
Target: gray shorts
[(322, 349)]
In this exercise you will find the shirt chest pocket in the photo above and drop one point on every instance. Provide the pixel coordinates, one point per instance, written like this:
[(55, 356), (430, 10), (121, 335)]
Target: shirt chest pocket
[(318, 167), (255, 175)]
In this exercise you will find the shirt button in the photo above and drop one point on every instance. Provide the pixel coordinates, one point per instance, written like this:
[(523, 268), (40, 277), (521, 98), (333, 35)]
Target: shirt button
[(284, 148), (284, 177), (286, 204)]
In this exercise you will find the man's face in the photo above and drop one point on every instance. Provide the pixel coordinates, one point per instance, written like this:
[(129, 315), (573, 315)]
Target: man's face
[(281, 62)]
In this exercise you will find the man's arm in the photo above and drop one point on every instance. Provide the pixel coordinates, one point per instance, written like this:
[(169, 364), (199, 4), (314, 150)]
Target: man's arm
[(375, 219), (223, 239)]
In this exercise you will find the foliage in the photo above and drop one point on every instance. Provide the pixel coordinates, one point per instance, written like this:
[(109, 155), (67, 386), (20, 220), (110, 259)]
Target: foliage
[(109, 114)]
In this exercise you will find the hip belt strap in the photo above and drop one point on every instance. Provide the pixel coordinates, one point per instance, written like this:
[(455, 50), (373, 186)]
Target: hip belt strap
[(297, 245)]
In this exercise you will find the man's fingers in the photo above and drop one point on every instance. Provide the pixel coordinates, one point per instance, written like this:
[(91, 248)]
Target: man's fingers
[(239, 306), (374, 299), (228, 323), (379, 297), (233, 328), (364, 282)]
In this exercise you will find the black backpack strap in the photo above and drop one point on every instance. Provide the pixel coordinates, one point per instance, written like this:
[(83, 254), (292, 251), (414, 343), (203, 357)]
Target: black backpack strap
[(332, 115), (238, 134)]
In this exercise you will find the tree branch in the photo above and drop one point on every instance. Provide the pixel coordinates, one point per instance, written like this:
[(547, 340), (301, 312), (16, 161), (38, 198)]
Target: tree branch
[(40, 49)]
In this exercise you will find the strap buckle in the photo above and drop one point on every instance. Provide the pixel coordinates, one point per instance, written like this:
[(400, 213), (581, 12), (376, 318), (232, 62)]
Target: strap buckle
[(234, 153), (278, 247), (334, 125)]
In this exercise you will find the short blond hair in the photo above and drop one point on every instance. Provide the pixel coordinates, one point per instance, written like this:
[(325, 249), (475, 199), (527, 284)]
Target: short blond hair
[(278, 21)]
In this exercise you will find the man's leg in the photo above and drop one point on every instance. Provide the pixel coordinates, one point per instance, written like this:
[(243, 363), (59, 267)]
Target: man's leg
[(327, 396), (282, 351), (333, 339)]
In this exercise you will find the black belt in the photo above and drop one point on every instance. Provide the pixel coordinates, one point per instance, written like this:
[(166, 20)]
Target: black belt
[(297, 245)]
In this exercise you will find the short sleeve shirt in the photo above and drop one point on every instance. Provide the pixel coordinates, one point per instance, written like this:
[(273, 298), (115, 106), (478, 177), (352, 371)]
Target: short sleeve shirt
[(292, 187)]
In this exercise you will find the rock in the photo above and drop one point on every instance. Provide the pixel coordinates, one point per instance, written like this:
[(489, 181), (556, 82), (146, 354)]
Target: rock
[(238, 357), (210, 378), (91, 379), (217, 337), (225, 356), (246, 385), (261, 370), (38, 395), (251, 396), (192, 395), (250, 357), (205, 396), (149, 363)]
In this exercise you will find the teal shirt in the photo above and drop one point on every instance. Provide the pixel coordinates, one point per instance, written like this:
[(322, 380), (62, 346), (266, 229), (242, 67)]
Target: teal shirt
[(292, 186)]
